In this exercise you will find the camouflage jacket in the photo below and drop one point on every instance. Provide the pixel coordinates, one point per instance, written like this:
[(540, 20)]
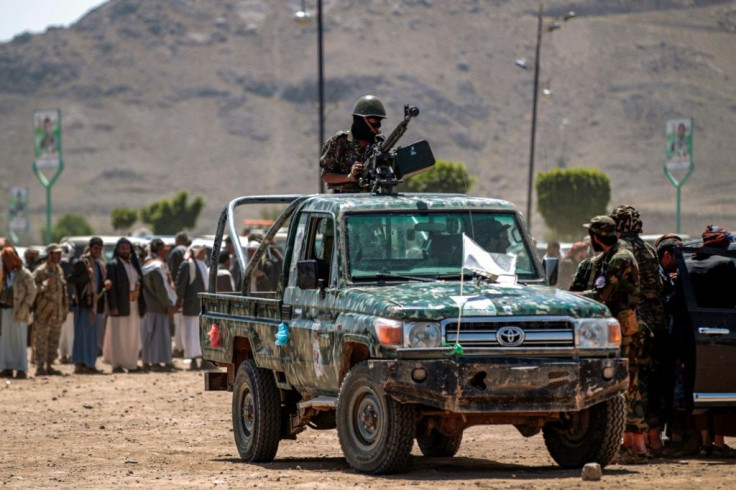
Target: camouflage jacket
[(338, 156), (650, 310), (581, 278), (616, 280), (52, 302)]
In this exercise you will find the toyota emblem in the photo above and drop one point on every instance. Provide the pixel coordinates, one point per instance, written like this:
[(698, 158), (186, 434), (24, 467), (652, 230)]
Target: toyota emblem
[(510, 336)]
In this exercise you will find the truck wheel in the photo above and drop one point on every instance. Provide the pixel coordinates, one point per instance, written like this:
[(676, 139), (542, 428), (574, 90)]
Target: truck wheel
[(256, 413), (438, 445), (592, 435), (376, 432)]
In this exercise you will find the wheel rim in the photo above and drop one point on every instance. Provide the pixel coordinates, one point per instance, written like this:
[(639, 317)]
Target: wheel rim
[(576, 429), (366, 417), (247, 412)]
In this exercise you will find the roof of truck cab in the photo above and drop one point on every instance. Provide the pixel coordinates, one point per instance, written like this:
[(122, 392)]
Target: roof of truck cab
[(340, 203)]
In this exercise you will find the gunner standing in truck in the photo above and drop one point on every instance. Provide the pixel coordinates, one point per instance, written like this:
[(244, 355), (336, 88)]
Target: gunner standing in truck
[(342, 155)]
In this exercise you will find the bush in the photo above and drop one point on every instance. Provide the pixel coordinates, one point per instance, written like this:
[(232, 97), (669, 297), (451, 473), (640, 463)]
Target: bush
[(123, 218), (69, 225), (444, 176), (168, 217), (567, 198)]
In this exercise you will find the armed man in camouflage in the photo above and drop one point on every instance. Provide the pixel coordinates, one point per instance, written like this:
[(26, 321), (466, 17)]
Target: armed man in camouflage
[(614, 280), (52, 306), (651, 312), (342, 155)]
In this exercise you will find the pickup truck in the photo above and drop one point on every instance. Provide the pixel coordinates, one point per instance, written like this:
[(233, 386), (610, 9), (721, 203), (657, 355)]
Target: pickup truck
[(377, 330)]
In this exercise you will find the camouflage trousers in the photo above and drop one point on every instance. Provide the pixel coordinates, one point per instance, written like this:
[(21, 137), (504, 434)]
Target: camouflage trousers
[(46, 341), (637, 349)]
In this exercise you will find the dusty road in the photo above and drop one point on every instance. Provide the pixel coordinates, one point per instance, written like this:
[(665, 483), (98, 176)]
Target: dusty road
[(162, 430)]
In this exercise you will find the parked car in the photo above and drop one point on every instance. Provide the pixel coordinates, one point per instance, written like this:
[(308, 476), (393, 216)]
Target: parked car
[(713, 338)]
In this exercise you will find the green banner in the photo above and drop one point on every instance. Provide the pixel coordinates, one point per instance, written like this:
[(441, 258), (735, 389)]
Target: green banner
[(678, 146), (47, 138), (18, 208), (678, 156), (47, 154)]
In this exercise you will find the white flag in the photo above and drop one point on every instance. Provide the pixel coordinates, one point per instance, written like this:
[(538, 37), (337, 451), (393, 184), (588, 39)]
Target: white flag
[(492, 265)]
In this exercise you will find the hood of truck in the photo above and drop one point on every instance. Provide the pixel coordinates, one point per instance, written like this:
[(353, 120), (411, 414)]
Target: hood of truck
[(435, 301)]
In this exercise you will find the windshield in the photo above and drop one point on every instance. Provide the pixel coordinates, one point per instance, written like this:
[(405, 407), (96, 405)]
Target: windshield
[(429, 243)]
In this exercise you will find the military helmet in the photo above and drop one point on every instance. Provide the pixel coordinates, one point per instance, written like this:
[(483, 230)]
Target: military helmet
[(627, 219), (602, 226), (369, 106)]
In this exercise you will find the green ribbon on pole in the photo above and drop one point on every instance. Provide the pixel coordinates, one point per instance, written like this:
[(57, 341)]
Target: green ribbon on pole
[(457, 350)]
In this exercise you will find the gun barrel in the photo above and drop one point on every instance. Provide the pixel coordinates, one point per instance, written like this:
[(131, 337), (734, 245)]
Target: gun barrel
[(409, 113)]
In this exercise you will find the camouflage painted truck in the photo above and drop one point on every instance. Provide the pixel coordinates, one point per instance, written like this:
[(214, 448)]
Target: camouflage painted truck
[(376, 330)]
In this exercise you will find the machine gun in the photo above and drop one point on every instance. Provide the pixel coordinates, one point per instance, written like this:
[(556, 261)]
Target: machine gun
[(383, 167)]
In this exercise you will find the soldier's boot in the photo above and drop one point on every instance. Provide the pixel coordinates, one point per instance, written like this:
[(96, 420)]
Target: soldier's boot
[(655, 443), (40, 371), (639, 443), (51, 371), (193, 366)]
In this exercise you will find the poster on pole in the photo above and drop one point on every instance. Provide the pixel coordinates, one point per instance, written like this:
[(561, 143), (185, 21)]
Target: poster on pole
[(18, 208), (47, 138), (679, 144)]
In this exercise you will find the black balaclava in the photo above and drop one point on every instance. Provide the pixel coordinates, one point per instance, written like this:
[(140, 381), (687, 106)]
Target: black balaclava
[(597, 247), (361, 131)]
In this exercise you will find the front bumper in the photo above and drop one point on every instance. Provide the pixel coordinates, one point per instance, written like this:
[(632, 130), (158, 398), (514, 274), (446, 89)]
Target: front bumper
[(472, 385)]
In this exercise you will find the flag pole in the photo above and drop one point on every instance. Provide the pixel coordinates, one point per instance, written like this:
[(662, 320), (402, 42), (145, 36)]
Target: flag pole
[(457, 349)]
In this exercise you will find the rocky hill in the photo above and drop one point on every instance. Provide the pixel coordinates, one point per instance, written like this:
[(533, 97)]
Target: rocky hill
[(220, 97)]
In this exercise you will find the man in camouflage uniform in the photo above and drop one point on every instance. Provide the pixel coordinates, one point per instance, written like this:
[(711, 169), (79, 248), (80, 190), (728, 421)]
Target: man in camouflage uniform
[(650, 312), (52, 306), (614, 280), (342, 155)]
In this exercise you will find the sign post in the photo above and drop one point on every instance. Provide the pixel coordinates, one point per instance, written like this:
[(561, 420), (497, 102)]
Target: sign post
[(17, 211), (47, 154), (678, 161)]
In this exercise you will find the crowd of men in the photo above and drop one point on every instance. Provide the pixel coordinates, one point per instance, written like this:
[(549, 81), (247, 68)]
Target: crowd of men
[(639, 284), (138, 311)]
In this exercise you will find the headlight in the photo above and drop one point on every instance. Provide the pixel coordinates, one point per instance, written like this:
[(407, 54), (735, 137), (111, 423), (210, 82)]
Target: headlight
[(422, 334), (596, 333)]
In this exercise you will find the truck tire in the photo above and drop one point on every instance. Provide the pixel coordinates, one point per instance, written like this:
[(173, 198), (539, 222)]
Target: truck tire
[(376, 432), (592, 435), (438, 445), (256, 413)]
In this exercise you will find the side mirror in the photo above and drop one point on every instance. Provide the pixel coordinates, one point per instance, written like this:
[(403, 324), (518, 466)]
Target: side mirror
[(306, 274), (551, 266)]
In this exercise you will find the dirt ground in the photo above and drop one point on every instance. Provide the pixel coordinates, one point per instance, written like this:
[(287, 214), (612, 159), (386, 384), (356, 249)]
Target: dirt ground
[(160, 430)]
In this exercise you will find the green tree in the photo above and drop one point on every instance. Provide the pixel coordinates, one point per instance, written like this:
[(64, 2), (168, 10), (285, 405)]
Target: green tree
[(167, 217), (123, 218), (444, 176), (69, 225), (567, 198)]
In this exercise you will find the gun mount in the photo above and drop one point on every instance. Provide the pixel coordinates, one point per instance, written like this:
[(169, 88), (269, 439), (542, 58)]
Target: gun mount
[(384, 167)]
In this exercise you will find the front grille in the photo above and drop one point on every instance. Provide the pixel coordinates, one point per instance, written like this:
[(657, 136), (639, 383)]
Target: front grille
[(537, 332)]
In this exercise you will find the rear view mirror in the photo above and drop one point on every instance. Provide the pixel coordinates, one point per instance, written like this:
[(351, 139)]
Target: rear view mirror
[(551, 266), (306, 274)]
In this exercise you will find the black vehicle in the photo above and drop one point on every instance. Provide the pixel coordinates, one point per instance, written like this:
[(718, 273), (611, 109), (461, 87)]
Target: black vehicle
[(712, 335)]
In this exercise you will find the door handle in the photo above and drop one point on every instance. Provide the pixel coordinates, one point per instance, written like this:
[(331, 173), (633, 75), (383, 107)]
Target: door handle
[(713, 331)]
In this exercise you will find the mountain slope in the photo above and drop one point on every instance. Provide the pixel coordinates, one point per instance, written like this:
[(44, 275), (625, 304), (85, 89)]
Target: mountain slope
[(220, 97)]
